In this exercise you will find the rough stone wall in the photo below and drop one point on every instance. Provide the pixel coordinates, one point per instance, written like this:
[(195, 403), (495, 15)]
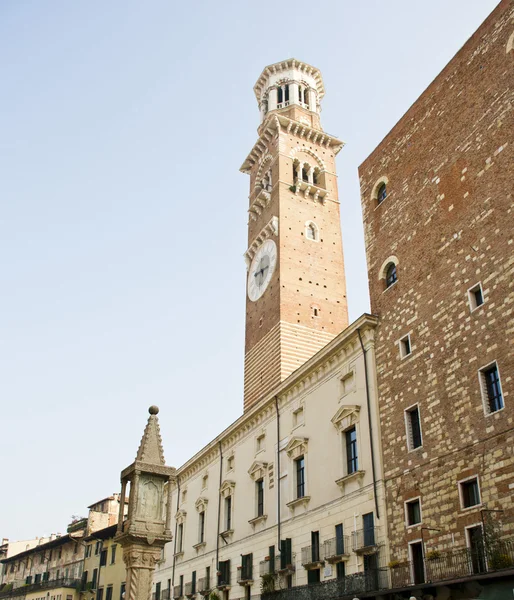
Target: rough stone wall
[(449, 220)]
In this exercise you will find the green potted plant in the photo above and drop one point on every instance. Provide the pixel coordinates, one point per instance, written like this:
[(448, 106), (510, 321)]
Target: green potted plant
[(267, 583)]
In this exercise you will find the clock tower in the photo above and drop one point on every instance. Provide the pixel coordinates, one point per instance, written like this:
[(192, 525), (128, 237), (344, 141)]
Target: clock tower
[(296, 289)]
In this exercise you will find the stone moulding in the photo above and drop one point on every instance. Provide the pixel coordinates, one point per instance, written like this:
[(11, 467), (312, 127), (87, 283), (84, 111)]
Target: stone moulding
[(343, 348)]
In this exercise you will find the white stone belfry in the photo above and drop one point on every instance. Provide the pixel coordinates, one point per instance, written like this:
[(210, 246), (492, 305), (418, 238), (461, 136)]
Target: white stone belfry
[(146, 528)]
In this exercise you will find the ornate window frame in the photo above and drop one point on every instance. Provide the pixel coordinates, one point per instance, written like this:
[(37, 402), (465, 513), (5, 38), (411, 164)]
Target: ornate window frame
[(201, 506), (382, 272), (295, 449), (257, 471), (227, 489), (374, 192), (346, 417)]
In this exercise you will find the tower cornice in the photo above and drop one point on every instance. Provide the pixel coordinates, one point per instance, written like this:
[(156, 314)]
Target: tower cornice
[(277, 122), (285, 65)]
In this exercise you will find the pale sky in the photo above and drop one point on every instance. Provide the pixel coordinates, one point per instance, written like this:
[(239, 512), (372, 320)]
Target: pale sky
[(123, 125)]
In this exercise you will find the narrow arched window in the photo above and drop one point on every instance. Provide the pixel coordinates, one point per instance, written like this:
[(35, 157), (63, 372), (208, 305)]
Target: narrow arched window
[(381, 193), (280, 95), (315, 177), (305, 174), (305, 95), (287, 93), (311, 232), (391, 276)]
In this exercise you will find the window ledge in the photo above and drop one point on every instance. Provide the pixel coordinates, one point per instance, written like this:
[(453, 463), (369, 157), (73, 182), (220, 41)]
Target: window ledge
[(467, 508), (179, 554), (227, 534), (310, 566), (337, 558), (357, 476), (257, 520), (199, 546), (389, 287), (304, 500)]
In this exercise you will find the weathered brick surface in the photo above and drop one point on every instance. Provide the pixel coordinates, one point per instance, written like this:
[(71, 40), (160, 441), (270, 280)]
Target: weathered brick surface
[(449, 219)]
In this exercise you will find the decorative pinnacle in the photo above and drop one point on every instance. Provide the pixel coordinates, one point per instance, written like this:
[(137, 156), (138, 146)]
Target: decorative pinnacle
[(150, 448)]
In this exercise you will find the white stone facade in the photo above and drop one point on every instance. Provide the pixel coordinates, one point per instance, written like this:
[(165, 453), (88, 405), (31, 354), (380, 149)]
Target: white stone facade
[(317, 405)]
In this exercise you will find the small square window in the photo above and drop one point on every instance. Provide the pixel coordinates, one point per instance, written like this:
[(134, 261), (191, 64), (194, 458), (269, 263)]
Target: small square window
[(475, 296), (230, 463), (348, 382), (298, 417), (259, 443), (413, 512), (469, 493), (413, 425), (405, 347), (492, 396)]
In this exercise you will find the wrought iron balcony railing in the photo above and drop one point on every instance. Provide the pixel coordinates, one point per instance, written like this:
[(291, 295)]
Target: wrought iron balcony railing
[(267, 567), (336, 549), (204, 586), (285, 564), (454, 564), (244, 576), (436, 567), (311, 557), (349, 586), (365, 541), (34, 587), (189, 590)]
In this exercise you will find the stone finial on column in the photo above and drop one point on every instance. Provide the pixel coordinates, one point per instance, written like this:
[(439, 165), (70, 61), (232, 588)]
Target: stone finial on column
[(146, 528)]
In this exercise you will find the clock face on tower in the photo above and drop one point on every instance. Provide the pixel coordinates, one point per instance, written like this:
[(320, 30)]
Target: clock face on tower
[(261, 269)]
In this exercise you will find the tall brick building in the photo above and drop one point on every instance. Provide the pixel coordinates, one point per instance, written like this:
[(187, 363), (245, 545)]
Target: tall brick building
[(437, 201)]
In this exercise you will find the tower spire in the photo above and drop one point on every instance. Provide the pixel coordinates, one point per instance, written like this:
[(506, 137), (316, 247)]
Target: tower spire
[(150, 449)]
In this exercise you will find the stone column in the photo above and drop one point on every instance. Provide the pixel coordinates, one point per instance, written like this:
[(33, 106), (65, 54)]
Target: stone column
[(272, 99), (294, 97), (140, 560), (121, 512), (146, 529), (312, 100)]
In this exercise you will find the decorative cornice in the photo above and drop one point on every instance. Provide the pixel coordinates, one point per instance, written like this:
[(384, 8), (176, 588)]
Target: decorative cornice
[(201, 504), (346, 416), (274, 124), (296, 446), (258, 470), (227, 488), (343, 348), (271, 228), (286, 65)]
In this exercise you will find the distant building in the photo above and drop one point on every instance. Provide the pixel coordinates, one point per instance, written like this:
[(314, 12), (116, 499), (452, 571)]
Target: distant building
[(53, 570), (438, 209), (103, 576), (8, 549)]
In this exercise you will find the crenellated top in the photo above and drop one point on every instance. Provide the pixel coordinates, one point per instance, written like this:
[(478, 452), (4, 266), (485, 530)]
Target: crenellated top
[(289, 83)]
